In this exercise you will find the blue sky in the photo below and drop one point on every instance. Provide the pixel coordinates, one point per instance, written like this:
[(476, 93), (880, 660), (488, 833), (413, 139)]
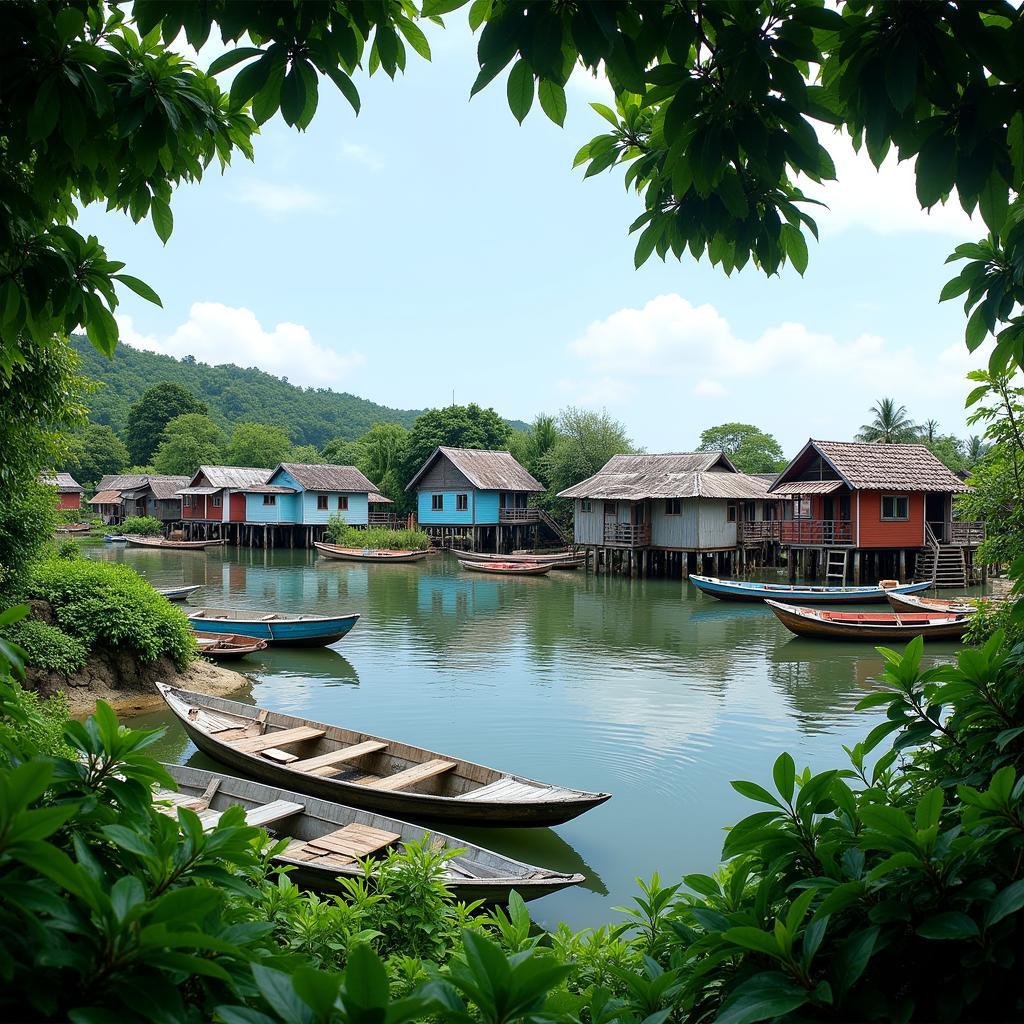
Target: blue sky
[(432, 247)]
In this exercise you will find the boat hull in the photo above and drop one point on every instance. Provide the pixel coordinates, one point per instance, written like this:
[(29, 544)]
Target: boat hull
[(115, 539), (421, 807), (178, 593), (737, 590), (885, 626), (313, 632), (76, 528), (507, 569), (912, 603), (374, 556), (548, 559), (504, 875), (229, 646), (172, 545)]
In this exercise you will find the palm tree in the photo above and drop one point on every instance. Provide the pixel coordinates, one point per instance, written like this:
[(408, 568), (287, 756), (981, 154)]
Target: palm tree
[(891, 424), (976, 449), (928, 430)]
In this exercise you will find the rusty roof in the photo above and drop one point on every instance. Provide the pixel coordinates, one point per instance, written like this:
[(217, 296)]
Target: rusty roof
[(64, 482), (232, 476), (379, 499), (106, 498), (326, 478), (165, 488), (485, 470), (879, 467), (122, 481), (809, 487), (674, 475)]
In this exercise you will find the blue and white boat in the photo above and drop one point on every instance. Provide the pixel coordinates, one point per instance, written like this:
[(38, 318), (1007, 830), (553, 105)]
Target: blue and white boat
[(115, 538), (274, 627), (796, 593)]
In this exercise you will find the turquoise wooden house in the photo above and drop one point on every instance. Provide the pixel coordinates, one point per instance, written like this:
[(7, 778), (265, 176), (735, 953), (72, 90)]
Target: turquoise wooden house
[(480, 499), (299, 500)]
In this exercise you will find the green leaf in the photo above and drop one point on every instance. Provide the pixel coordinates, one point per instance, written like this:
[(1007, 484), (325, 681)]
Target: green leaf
[(345, 85), (276, 988), (753, 939), (69, 24), (317, 989), (950, 924), (520, 89), (163, 220), (253, 77), (139, 287), (366, 980), (648, 238), (977, 329), (231, 58), (994, 202), (935, 169), (951, 289), (42, 118), (752, 791), (929, 809), (784, 775), (293, 95), (552, 101), (1009, 901), (762, 997), (414, 36), (607, 113), (796, 247)]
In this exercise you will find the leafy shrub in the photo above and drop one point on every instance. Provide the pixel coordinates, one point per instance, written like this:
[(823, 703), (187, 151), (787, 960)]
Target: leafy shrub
[(143, 526), (104, 604), (346, 536), (67, 549), (27, 520), (48, 647), (70, 516), (992, 617)]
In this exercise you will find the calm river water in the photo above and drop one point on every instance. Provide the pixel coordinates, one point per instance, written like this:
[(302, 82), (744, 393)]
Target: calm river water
[(641, 688)]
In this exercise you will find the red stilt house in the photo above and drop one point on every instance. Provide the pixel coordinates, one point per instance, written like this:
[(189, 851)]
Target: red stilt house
[(216, 494), (69, 490)]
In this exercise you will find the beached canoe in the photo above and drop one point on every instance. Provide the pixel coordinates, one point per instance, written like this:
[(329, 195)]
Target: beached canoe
[(559, 559), (886, 626), (178, 593), (328, 839), (382, 555), (74, 528), (224, 646), (741, 590), (913, 603), (501, 568), (274, 627), (115, 538), (137, 541), (370, 772)]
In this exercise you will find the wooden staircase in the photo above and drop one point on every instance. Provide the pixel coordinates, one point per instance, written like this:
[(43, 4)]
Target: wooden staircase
[(943, 563), (553, 526)]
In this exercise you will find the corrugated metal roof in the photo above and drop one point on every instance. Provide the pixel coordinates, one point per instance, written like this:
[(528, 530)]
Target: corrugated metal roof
[(798, 487), (233, 476), (270, 489), (327, 478), (106, 498), (64, 482), (122, 481), (485, 470), (880, 467), (675, 475), (165, 488), (198, 490)]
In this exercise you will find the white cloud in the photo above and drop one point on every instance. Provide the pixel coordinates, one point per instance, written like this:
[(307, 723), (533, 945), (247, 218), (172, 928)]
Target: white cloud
[(705, 388), (591, 88), (360, 154), (272, 197), (215, 333)]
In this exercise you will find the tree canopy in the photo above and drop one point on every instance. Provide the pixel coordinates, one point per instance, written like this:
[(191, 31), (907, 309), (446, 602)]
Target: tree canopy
[(148, 417), (457, 426), (587, 440), (261, 445), (93, 452), (889, 424), (188, 442), (750, 449)]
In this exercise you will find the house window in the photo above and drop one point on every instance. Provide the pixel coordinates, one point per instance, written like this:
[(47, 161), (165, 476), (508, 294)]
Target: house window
[(461, 502), (895, 506), (611, 509), (321, 502), (673, 507), (188, 501), (750, 511), (216, 501), (730, 512), (436, 502), (585, 505), (802, 508), (342, 502), (269, 499)]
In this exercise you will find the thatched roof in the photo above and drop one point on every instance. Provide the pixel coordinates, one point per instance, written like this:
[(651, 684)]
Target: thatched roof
[(326, 478), (873, 467), (676, 475), (64, 482), (485, 470), (232, 476)]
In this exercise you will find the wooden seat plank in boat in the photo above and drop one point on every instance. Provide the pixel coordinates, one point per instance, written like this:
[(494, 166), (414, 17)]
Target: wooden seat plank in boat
[(322, 762), (255, 744), (259, 817), (355, 840), (409, 777), (508, 789)]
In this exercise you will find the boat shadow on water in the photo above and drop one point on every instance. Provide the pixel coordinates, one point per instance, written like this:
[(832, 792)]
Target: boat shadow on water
[(323, 664)]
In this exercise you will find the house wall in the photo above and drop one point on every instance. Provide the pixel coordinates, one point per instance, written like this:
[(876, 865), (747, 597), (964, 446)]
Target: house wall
[(448, 515), (357, 513), (588, 527), (443, 476), (713, 527), (287, 510), (236, 508), (878, 533), (674, 531), (69, 501), (487, 507)]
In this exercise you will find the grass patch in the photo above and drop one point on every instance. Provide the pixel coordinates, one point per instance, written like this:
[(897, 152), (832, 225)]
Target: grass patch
[(346, 536)]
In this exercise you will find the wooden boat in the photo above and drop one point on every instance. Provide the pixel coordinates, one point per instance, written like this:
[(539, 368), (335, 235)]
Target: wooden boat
[(382, 555), (366, 771), (559, 559), (223, 646), (502, 568), (74, 528), (329, 839), (821, 622), (136, 541), (912, 603), (178, 593), (740, 590), (275, 627), (115, 538)]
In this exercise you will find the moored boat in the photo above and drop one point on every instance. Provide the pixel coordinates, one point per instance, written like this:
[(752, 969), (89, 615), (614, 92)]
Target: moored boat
[(502, 568), (366, 771), (831, 625), (136, 541), (913, 603), (115, 538), (179, 593), (328, 839), (382, 555), (742, 590), (223, 646), (558, 559), (74, 528), (274, 627)]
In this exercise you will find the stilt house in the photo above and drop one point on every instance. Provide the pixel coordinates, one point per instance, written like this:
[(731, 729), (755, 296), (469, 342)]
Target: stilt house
[(122, 495), (216, 494), (871, 510), (479, 499), (69, 490), (668, 513)]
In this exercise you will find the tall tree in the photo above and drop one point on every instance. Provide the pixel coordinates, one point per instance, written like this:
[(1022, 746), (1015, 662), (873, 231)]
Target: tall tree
[(189, 441), (457, 426), (586, 441), (307, 454), (261, 445), (750, 448), (889, 425), (929, 430), (342, 451), (93, 452), (149, 416), (385, 447)]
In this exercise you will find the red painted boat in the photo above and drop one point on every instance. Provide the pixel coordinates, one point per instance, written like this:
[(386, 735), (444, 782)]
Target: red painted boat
[(832, 625), (507, 568)]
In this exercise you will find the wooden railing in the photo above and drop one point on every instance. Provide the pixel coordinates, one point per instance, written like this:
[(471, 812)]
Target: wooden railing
[(966, 534), (519, 515), (627, 535), (799, 532), (391, 520)]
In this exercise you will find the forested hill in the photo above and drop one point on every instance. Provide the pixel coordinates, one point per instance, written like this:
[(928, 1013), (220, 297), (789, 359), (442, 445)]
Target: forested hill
[(233, 394)]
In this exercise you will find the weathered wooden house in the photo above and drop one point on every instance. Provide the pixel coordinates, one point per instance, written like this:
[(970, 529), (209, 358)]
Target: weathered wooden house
[(480, 499), (214, 502), (119, 496), (69, 490), (670, 513), (870, 510)]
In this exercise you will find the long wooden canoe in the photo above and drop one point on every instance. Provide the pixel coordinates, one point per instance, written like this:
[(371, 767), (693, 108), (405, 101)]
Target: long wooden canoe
[(913, 603), (224, 646), (366, 771), (830, 625), (179, 593), (74, 528), (275, 627), (382, 555), (741, 590), (329, 839), (136, 541), (559, 559), (502, 568)]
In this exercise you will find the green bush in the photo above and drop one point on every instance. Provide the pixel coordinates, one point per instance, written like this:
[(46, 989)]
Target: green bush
[(27, 520), (69, 516), (104, 604), (142, 526), (340, 533), (48, 647), (67, 548), (993, 617)]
